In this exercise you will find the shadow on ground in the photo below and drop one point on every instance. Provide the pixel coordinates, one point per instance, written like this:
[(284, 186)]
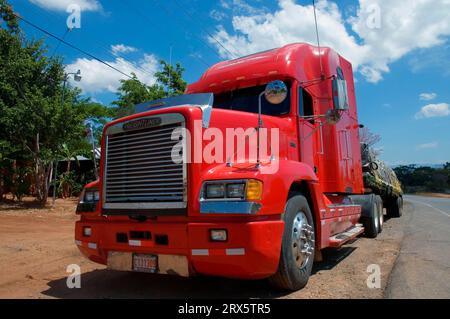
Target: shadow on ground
[(115, 284)]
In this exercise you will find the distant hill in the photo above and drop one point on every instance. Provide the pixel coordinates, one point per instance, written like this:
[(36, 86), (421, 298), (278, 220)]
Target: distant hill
[(421, 165)]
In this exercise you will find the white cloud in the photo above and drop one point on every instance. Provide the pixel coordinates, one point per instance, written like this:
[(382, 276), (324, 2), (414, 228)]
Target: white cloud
[(217, 15), (427, 145), (427, 96), (240, 7), (433, 110), (61, 5), (402, 28), (97, 77), (121, 48)]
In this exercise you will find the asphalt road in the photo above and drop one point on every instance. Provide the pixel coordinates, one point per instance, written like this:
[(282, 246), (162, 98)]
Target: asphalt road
[(422, 269)]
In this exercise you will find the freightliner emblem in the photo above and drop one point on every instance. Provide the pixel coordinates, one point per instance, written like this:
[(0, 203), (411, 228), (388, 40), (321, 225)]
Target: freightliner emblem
[(142, 123)]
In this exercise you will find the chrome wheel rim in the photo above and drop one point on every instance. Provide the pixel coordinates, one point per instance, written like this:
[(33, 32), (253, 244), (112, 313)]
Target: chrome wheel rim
[(377, 217), (302, 240), (381, 216)]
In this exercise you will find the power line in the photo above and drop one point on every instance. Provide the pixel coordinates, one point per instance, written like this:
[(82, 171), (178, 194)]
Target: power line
[(59, 43), (195, 35), (158, 27), (189, 15), (72, 46), (103, 46)]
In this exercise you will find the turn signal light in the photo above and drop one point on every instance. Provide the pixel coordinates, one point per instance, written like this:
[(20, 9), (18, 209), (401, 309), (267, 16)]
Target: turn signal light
[(254, 189)]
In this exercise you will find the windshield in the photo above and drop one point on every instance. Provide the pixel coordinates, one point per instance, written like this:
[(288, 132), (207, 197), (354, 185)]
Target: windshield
[(246, 100)]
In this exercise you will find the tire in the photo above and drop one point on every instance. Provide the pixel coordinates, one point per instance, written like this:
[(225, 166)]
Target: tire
[(395, 207), (380, 214), (371, 221), (297, 247)]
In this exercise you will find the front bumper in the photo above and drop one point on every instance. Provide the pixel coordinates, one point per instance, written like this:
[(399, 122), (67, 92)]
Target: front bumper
[(252, 250)]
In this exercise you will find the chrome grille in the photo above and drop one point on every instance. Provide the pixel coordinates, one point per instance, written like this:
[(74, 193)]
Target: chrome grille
[(139, 170)]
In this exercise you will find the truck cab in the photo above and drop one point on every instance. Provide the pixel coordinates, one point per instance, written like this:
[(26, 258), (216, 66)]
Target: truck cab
[(181, 190)]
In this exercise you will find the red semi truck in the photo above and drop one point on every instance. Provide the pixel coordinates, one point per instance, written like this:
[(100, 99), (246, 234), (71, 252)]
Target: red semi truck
[(160, 207)]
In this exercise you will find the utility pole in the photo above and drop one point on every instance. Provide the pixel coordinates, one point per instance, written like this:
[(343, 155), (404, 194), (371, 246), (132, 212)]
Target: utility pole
[(170, 72), (93, 149), (77, 78)]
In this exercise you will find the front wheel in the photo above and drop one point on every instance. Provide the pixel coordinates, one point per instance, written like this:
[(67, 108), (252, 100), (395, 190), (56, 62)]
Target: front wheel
[(297, 248)]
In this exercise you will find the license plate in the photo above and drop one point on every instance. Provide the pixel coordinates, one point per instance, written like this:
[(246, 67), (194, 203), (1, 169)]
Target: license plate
[(145, 263)]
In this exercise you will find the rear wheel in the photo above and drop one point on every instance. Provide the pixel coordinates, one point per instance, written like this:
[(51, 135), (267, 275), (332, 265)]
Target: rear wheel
[(395, 207), (297, 248), (380, 214), (371, 221)]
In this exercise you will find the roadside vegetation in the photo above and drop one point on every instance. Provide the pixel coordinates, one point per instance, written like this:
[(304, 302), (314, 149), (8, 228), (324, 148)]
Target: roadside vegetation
[(424, 179), (44, 122)]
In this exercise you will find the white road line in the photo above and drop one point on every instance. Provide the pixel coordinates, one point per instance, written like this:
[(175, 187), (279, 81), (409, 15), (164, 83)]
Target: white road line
[(437, 209)]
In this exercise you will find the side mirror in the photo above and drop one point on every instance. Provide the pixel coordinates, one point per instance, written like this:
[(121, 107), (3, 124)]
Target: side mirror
[(340, 94), (275, 92)]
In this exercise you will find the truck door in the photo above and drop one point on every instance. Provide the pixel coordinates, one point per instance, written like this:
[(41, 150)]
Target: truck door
[(308, 128)]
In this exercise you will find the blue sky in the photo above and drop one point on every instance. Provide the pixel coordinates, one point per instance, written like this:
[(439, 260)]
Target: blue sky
[(400, 53)]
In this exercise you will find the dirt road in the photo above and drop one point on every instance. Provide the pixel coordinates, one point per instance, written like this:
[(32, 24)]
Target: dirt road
[(36, 246)]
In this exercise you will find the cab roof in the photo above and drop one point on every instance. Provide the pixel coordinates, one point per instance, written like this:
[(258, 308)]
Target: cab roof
[(297, 60)]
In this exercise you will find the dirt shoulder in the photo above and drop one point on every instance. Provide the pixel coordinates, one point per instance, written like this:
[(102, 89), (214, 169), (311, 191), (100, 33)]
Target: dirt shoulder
[(36, 246)]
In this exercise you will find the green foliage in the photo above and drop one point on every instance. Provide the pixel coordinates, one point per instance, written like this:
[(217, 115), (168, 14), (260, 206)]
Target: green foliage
[(169, 82), (424, 179), (68, 185), (41, 119), (171, 78), (7, 16), (132, 92)]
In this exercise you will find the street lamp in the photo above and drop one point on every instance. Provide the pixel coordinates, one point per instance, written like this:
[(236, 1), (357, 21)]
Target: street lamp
[(77, 78)]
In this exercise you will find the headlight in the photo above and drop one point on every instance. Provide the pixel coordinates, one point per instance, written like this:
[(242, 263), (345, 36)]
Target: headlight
[(88, 200), (250, 189), (91, 196), (215, 190), (236, 190)]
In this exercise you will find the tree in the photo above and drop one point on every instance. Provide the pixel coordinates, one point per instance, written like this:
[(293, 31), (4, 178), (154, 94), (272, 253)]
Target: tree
[(132, 92), (169, 82), (171, 78), (7, 15), (35, 123), (370, 139)]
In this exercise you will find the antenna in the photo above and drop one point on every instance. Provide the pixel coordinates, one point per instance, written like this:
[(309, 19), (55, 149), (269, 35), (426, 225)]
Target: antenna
[(322, 76), (170, 72)]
